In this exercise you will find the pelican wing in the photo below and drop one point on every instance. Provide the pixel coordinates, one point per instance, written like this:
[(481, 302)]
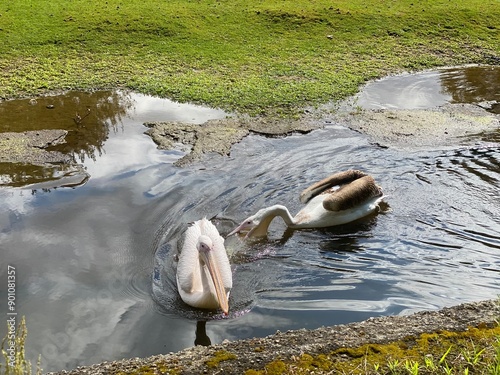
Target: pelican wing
[(188, 267), (353, 194), (337, 179)]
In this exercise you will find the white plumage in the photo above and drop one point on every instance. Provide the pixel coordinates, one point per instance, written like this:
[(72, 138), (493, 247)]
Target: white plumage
[(204, 277), (338, 199)]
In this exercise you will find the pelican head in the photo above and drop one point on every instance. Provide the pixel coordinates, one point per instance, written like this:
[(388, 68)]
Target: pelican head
[(246, 226), (204, 245), (257, 224)]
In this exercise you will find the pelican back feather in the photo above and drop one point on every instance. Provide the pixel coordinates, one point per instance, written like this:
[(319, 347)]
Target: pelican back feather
[(353, 194), (337, 179)]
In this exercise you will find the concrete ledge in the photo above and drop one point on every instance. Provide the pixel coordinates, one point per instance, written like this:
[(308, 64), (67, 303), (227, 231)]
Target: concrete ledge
[(238, 356)]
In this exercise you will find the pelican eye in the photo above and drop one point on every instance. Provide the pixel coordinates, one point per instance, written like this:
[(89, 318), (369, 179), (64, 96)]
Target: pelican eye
[(204, 247)]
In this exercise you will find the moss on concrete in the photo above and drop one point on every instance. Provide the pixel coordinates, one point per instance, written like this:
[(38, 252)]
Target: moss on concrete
[(220, 356), (376, 346)]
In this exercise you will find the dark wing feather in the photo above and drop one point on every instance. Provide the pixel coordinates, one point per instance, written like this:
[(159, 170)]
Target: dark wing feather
[(337, 179), (352, 194)]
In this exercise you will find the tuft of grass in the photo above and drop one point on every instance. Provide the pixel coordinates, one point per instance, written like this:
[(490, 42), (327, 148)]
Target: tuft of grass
[(13, 351), (263, 57)]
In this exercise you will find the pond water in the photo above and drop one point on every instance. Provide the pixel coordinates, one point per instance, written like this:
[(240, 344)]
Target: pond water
[(94, 263)]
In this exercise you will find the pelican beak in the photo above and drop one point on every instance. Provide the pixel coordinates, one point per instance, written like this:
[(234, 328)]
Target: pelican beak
[(220, 291), (234, 231), (242, 227)]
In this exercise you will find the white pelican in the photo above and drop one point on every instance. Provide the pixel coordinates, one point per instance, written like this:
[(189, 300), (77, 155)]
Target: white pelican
[(338, 199), (204, 277)]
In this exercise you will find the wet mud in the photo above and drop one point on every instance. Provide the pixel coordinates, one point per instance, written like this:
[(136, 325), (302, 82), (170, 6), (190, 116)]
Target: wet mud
[(219, 135), (447, 125), (31, 147), (30, 153), (44, 140)]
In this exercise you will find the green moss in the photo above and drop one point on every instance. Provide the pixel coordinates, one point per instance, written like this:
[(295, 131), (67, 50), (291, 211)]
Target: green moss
[(158, 368), (429, 353), (320, 362), (219, 357), (276, 367), (422, 349)]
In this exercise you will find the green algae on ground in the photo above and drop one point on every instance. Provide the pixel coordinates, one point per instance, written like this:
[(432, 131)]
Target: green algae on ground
[(220, 356), (431, 353), (157, 368)]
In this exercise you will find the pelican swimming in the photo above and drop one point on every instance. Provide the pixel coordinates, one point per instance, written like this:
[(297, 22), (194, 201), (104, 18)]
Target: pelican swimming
[(338, 199), (204, 277)]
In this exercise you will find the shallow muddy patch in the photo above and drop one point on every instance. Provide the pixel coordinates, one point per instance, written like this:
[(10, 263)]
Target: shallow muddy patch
[(219, 135), (24, 155), (45, 140), (30, 147), (448, 125), (445, 107)]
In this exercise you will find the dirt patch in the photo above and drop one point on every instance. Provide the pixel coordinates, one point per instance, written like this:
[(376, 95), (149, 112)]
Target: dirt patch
[(238, 356)]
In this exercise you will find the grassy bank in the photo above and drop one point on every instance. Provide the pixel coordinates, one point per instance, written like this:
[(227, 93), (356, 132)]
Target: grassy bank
[(258, 57)]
